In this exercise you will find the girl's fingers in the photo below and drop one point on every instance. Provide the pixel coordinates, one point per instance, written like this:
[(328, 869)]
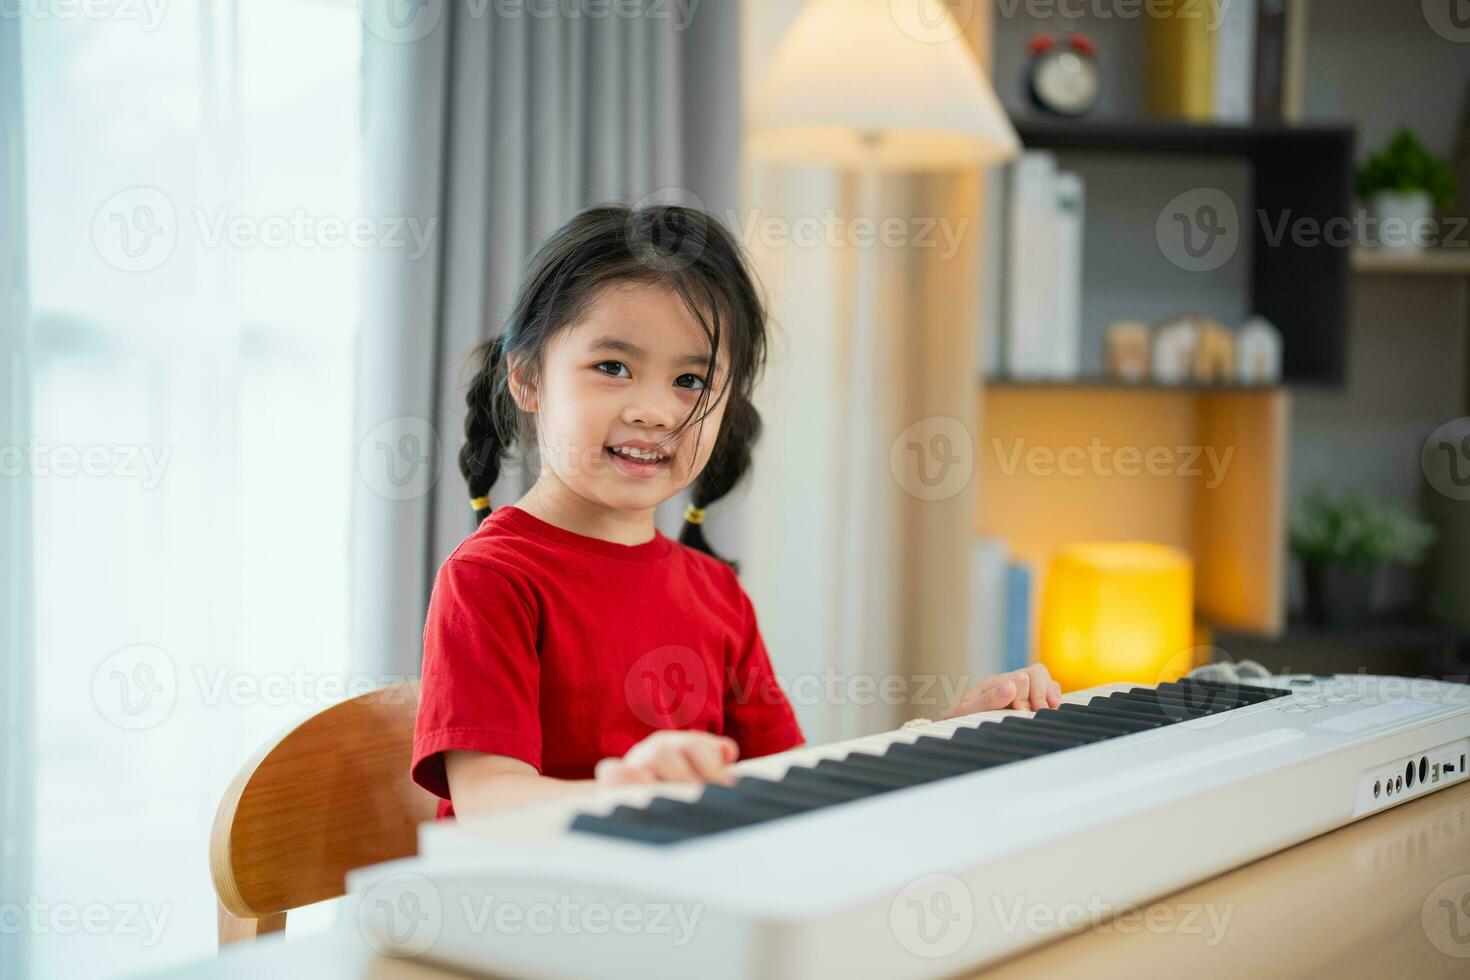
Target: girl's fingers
[(1023, 689), (1054, 694), (671, 766), (995, 698), (1040, 686), (615, 772), (707, 759)]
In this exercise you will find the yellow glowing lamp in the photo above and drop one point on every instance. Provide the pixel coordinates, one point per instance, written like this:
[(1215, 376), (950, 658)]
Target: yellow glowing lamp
[(1117, 611)]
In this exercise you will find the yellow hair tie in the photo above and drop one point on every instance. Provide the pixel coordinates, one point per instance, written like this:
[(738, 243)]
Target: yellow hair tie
[(479, 503), (693, 514)]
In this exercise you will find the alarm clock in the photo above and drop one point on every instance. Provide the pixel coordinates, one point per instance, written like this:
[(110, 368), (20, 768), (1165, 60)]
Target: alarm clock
[(1062, 79)]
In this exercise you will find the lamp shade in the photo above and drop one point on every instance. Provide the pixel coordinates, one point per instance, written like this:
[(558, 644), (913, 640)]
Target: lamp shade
[(885, 82), (1115, 612)]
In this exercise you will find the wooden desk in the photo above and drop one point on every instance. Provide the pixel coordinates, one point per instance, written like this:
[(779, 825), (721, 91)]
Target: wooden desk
[(1362, 901)]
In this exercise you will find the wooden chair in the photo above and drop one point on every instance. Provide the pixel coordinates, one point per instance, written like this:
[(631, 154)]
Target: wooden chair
[(330, 794)]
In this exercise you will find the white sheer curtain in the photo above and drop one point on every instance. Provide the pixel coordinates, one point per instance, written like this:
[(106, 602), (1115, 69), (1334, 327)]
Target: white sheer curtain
[(194, 247), (16, 730)]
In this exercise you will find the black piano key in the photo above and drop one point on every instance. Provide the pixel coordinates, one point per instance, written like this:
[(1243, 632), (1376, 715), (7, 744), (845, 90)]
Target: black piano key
[(1178, 712), (1106, 703), (943, 752), (1195, 692), (812, 797), (995, 737), (1080, 714), (1040, 723), (801, 776), (986, 731), (1199, 698), (1259, 691), (1101, 707), (1194, 700), (718, 795), (630, 825), (919, 772), (892, 777), (706, 816), (966, 750)]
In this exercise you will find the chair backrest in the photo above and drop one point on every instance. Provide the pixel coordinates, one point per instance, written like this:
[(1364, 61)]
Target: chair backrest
[(330, 794)]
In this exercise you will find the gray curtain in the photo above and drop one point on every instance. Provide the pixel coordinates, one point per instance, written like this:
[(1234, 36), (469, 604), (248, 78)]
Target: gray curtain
[(498, 128), (17, 689)]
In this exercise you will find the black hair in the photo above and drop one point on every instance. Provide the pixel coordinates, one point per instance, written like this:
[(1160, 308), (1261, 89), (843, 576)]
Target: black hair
[(678, 248)]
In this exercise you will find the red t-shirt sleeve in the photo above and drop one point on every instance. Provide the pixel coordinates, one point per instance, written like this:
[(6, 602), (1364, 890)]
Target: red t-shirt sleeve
[(757, 713), (481, 675)]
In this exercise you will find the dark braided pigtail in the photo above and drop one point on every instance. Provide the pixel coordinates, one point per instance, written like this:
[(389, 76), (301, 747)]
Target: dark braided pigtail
[(485, 429), (728, 462)]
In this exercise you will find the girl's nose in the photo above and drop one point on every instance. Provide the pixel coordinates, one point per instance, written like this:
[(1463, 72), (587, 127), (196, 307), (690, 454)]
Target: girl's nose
[(655, 411)]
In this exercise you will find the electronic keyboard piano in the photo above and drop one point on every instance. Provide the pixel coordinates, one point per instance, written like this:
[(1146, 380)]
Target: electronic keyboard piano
[(921, 852)]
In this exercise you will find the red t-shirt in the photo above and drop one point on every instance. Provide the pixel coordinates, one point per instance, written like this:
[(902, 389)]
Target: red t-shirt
[(561, 649)]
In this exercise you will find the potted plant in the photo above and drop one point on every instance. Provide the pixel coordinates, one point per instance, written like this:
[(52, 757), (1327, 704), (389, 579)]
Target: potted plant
[(1403, 183), (1343, 543)]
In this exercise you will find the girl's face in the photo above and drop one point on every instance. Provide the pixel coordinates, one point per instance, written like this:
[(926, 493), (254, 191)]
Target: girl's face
[(613, 388)]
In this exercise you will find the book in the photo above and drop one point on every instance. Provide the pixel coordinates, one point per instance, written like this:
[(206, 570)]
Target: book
[(1281, 45), (1179, 67), (1030, 264), (1235, 62), (992, 322), (1066, 361), (1018, 615), (988, 582)]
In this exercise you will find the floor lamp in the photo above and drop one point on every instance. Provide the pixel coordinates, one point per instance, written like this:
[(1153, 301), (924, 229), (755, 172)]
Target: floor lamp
[(874, 86)]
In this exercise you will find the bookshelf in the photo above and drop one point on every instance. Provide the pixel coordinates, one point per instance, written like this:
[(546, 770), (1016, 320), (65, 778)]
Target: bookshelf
[(1204, 472), (1301, 172), (1429, 262), (1107, 383)]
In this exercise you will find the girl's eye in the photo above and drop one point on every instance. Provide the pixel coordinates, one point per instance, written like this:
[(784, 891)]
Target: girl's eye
[(617, 365), (699, 382)]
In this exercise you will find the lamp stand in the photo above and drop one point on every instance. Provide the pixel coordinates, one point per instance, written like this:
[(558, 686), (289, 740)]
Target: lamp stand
[(865, 624)]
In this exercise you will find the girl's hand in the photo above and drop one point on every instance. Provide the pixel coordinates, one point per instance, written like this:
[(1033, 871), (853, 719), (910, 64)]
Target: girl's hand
[(672, 756), (1029, 689)]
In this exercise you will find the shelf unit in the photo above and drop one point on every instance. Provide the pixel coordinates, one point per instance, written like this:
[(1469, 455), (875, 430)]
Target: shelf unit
[(1117, 384), (1300, 170), (1052, 473), (1428, 262)]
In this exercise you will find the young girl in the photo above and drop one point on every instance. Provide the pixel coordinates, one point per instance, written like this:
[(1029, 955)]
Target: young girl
[(567, 639)]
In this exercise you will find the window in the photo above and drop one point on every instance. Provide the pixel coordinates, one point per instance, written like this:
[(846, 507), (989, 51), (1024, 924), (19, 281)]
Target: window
[(193, 174)]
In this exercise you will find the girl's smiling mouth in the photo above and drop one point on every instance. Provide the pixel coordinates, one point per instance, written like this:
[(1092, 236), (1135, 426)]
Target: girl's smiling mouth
[(636, 458)]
